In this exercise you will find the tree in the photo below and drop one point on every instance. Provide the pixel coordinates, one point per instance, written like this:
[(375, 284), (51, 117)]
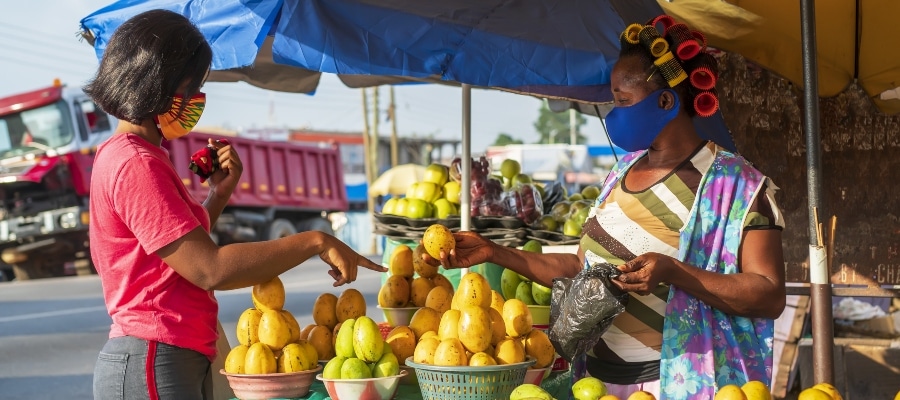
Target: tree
[(554, 127), (504, 139)]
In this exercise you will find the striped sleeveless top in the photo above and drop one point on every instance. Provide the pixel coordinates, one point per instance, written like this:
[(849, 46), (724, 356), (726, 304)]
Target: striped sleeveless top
[(628, 224)]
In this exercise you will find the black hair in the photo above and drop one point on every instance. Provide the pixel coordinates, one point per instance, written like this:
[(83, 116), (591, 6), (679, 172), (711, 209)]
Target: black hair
[(145, 62), (685, 91)]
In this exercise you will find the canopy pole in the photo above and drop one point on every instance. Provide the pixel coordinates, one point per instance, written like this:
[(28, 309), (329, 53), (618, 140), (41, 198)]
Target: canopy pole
[(465, 195), (367, 167), (820, 282)]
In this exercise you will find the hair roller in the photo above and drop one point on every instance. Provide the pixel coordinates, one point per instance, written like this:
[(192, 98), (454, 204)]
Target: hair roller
[(654, 43), (703, 71), (701, 39), (670, 69), (631, 34), (665, 20), (706, 103), (686, 46)]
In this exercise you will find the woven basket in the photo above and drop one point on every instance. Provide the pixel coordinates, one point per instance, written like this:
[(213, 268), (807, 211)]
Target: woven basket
[(494, 382)]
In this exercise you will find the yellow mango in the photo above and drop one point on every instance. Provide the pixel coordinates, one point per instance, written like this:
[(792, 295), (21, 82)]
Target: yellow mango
[(394, 293), (234, 361), (320, 337), (351, 304), (324, 310), (310, 351), (304, 334), (259, 360), (436, 239), (402, 342), (248, 326), (439, 299), (450, 353), (419, 291), (422, 268), (474, 328), (509, 351), (401, 262), (449, 326), (424, 352), (538, 346), (425, 319), (481, 359), (269, 295), (274, 329), (441, 280), (516, 317), (293, 325), (498, 327), (294, 359), (497, 301), (474, 290)]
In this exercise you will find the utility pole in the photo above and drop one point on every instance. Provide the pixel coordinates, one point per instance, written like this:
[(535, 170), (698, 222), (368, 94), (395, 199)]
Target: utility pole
[(367, 165), (392, 112), (573, 132)]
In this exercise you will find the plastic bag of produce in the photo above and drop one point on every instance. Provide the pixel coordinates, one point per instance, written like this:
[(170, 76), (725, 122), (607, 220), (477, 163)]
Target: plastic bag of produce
[(582, 308)]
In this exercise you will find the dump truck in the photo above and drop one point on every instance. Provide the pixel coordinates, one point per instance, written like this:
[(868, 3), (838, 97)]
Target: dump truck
[(48, 139)]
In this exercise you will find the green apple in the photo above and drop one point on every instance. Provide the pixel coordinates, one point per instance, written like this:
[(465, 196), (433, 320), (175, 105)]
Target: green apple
[(509, 168), (400, 207), (354, 368), (389, 206), (521, 179), (443, 208), (533, 246), (437, 174), (417, 208), (541, 294), (581, 215), (560, 211), (332, 368), (388, 365), (428, 191), (540, 188), (451, 192), (590, 192), (547, 223), (588, 388), (576, 197), (580, 205), (411, 190), (572, 228)]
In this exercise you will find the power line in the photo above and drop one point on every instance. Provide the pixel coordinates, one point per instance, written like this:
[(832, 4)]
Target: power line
[(46, 42), (37, 53)]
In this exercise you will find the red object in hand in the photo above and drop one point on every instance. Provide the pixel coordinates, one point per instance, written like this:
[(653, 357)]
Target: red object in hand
[(205, 161)]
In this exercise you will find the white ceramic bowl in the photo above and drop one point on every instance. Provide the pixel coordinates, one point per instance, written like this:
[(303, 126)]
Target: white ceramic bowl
[(398, 316), (362, 389)]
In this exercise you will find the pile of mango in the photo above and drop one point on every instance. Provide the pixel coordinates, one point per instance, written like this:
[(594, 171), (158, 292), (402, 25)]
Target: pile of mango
[(360, 352), (414, 283), (515, 286), (269, 336)]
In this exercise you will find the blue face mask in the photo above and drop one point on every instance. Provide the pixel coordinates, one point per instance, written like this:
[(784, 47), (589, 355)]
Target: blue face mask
[(635, 127)]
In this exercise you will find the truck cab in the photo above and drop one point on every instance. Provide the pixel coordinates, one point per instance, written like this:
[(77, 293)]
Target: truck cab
[(47, 140)]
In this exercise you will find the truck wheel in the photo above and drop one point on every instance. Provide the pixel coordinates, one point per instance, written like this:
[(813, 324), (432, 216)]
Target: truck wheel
[(280, 228), (315, 224), (84, 267)]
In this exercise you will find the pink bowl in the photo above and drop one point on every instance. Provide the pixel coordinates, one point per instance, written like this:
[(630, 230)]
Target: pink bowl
[(362, 389), (536, 375), (271, 386)]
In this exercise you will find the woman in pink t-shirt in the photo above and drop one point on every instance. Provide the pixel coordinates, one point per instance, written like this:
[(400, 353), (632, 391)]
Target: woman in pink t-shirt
[(150, 239)]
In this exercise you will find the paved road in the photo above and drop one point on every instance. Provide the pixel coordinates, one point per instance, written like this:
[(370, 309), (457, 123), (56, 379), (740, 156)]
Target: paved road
[(52, 329)]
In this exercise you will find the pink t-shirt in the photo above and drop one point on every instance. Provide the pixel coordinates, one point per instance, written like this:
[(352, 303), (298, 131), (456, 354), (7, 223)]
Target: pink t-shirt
[(139, 205)]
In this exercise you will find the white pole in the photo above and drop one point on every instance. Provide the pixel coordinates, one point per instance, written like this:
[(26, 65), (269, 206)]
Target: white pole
[(466, 174)]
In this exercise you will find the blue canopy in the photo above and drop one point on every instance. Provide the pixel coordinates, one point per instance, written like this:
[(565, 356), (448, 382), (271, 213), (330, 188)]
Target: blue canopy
[(547, 48)]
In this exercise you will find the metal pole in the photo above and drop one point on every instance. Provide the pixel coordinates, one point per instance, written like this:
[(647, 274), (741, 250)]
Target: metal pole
[(393, 114), (376, 135), (573, 134), (820, 282), (367, 165), (465, 196)]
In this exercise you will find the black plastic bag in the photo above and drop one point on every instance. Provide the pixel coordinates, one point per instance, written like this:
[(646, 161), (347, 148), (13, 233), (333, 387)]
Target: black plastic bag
[(583, 308)]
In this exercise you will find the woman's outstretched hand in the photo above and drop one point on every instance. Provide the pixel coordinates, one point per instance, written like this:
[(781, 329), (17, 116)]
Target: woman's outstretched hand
[(344, 261), (471, 249)]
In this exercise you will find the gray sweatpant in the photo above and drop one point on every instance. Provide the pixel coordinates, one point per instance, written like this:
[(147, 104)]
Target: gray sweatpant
[(126, 365)]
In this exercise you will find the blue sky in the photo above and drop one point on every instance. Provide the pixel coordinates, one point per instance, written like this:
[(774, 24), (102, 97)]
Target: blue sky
[(38, 43)]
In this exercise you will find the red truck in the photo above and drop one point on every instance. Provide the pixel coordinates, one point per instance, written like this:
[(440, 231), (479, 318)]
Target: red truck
[(47, 142)]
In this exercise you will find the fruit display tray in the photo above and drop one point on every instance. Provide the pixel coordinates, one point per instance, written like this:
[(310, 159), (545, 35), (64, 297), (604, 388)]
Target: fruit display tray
[(551, 238), (503, 236)]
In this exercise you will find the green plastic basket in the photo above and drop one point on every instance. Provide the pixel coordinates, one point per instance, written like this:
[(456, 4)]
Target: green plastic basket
[(494, 382)]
